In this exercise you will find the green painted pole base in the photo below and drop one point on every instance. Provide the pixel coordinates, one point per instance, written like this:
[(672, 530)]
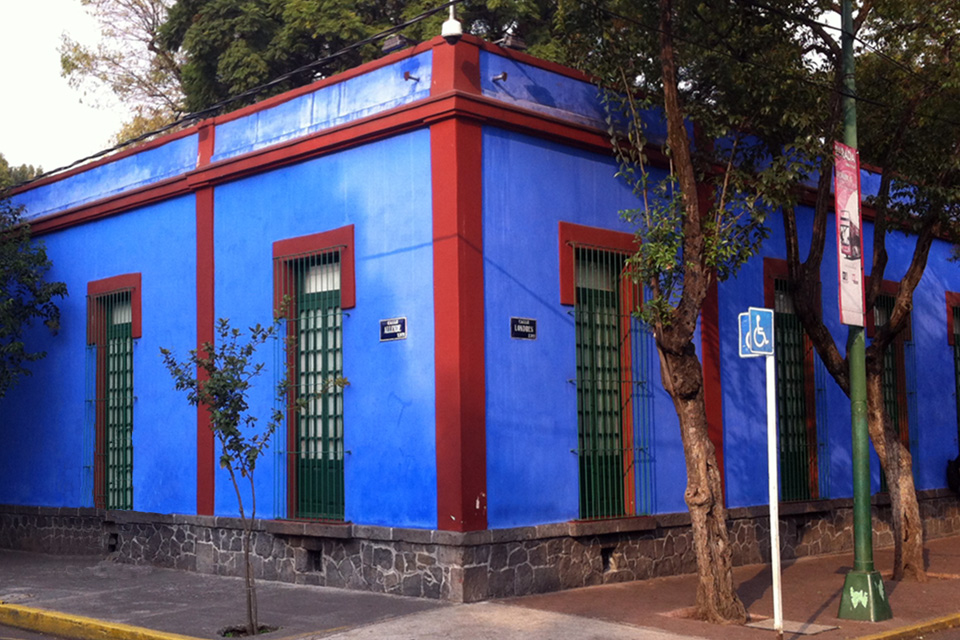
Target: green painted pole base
[(864, 598)]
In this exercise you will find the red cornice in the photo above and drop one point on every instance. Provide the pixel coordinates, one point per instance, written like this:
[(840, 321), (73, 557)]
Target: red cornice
[(525, 58), (146, 146), (423, 113), (163, 190), (329, 81)]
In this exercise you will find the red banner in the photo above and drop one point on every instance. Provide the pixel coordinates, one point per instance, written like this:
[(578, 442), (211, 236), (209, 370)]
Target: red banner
[(849, 234)]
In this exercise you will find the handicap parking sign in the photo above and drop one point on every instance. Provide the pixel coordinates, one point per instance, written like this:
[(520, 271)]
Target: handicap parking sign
[(756, 332)]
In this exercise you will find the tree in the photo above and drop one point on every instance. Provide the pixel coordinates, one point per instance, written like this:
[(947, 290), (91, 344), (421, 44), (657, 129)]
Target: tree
[(231, 46), (10, 176), (715, 65), (129, 62), (25, 295), (219, 376), (909, 128)]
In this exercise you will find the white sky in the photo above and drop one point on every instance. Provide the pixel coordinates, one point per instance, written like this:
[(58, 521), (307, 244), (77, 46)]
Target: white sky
[(42, 121)]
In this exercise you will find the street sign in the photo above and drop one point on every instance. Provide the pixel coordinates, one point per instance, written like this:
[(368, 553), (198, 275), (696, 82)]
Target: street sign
[(761, 331), (523, 328), (756, 339), (756, 332), (745, 350), (393, 329)]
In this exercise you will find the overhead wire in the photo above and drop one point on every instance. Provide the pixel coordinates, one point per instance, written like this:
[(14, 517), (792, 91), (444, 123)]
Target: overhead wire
[(253, 91), (215, 108)]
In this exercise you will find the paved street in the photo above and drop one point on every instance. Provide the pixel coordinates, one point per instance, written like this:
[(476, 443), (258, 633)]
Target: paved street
[(103, 600), (12, 633)]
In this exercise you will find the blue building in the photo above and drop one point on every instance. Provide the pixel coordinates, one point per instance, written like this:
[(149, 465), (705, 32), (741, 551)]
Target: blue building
[(441, 228)]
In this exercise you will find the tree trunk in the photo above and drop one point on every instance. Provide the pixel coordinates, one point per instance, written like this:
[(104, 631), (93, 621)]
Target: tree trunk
[(897, 465), (253, 625), (717, 600)]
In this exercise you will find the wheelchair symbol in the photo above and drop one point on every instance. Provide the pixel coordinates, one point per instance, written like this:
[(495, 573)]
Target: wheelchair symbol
[(759, 338)]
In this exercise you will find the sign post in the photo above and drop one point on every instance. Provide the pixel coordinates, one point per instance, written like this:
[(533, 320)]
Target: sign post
[(756, 339)]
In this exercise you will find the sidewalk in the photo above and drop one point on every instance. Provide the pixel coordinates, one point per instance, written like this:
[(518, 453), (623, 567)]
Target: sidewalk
[(88, 597)]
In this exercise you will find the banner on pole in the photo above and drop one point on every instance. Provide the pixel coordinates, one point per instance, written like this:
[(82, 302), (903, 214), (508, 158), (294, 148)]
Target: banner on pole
[(849, 236)]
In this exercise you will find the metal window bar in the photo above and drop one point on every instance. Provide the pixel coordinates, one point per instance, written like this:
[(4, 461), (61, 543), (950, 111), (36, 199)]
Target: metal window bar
[(895, 383), (956, 363), (108, 436), (614, 360), (823, 440), (312, 356), (796, 453)]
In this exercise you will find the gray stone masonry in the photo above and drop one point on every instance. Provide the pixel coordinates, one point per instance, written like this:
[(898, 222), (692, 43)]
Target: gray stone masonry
[(458, 567)]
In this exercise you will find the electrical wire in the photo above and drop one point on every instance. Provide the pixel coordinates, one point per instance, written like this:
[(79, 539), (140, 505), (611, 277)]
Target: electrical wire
[(207, 112), (254, 91)]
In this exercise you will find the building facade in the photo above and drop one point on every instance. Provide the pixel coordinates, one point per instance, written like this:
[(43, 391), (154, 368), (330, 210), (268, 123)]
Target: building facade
[(440, 227)]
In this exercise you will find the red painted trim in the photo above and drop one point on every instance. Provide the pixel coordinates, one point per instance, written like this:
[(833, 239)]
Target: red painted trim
[(455, 68), (351, 134), (712, 381), (343, 76), (206, 319), (113, 157), (456, 161), (317, 243), (570, 234), (106, 286), (777, 269), (887, 288), (526, 58), (466, 50), (206, 143), (953, 301), (113, 205)]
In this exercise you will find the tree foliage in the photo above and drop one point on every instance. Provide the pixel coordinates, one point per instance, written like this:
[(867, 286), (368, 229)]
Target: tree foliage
[(129, 62), (25, 295), (232, 46), (10, 176)]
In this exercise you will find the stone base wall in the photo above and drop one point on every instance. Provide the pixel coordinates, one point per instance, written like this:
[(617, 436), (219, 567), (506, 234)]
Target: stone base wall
[(458, 567)]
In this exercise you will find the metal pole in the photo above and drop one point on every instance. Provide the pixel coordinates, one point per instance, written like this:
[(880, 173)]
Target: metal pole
[(774, 494), (863, 596)]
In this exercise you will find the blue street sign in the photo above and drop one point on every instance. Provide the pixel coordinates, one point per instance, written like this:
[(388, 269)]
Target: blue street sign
[(745, 351), (761, 331)]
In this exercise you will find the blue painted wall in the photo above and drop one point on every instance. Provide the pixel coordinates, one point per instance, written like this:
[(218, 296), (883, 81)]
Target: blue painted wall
[(389, 420), (529, 186), (44, 415), (933, 423), (357, 97), (137, 170)]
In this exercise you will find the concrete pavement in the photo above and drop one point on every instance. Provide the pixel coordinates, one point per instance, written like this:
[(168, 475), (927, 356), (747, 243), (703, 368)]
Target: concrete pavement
[(99, 599)]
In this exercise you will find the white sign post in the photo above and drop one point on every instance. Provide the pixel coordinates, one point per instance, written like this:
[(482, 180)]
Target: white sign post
[(756, 339)]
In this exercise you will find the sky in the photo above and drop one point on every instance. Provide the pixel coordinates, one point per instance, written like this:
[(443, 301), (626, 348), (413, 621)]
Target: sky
[(42, 119)]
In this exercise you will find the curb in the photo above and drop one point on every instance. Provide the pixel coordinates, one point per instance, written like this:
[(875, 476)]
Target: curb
[(71, 626), (915, 630)]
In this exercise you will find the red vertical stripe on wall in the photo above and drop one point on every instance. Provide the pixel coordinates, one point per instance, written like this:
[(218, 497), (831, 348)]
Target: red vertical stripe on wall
[(710, 346), (459, 326), (455, 68), (205, 323), (712, 389)]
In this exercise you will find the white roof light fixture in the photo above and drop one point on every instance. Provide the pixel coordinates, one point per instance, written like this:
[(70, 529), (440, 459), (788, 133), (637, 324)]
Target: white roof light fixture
[(452, 30)]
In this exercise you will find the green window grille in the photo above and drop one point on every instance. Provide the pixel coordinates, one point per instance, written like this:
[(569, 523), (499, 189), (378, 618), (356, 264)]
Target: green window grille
[(956, 362), (614, 399), (314, 359), (797, 432), (899, 389), (110, 399)]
